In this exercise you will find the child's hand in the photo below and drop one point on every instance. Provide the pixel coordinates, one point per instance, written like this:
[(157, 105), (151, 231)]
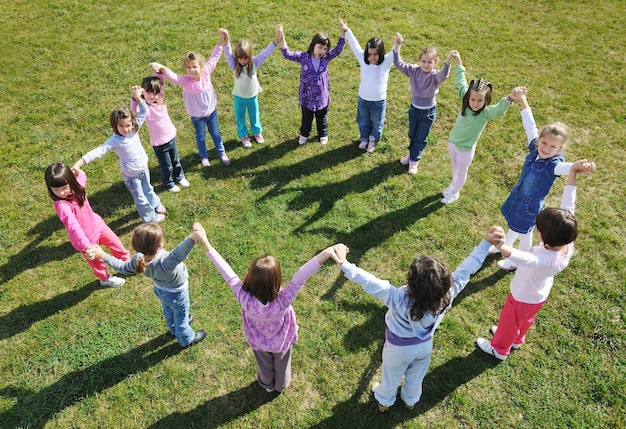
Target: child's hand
[(495, 236), (342, 26), (582, 167), (399, 39), (157, 68), (94, 251), (76, 171), (137, 92), (224, 36), (340, 251), (450, 56), (280, 36), (454, 55)]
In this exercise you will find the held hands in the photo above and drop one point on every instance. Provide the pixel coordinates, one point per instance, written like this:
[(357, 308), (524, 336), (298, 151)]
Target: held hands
[(280, 36), (343, 27), (157, 68), (137, 92), (399, 39), (94, 251), (224, 36), (495, 236), (337, 253), (198, 235), (454, 56), (582, 167)]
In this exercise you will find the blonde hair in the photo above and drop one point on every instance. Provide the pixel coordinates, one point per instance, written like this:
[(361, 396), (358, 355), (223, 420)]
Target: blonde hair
[(243, 49), (557, 129), (147, 239), (192, 57), (432, 52)]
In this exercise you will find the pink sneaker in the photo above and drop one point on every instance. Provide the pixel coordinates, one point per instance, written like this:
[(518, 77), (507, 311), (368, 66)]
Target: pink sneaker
[(405, 160), (205, 162), (225, 159), (245, 142), (363, 145), (413, 167), (160, 217), (259, 138), (371, 146), (302, 140), (161, 209)]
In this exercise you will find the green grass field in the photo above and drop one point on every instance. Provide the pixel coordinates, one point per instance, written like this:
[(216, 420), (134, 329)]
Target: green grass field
[(76, 355)]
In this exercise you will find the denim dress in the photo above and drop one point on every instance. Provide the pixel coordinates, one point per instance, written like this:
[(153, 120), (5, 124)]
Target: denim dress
[(527, 197)]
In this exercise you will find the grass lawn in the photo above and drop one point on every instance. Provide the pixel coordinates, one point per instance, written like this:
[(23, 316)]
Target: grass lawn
[(77, 355)]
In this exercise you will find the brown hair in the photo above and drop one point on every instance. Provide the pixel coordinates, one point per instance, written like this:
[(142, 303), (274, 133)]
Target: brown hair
[(264, 278), (58, 175), (243, 49), (147, 239), (558, 227), (428, 286), (123, 112)]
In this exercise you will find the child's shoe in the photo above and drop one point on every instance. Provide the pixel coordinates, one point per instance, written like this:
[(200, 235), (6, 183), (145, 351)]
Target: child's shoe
[(447, 191), (112, 281), (225, 159), (507, 265), (382, 408), (205, 162), (485, 345), (184, 183), (174, 189), (200, 335), (161, 209), (259, 138), (245, 142), (363, 145), (407, 406), (324, 140), (493, 250), (160, 218), (405, 160), (302, 140), (514, 346), (450, 198), (371, 146), (413, 167)]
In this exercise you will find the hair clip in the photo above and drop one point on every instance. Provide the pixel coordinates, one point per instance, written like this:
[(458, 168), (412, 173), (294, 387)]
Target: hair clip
[(481, 85)]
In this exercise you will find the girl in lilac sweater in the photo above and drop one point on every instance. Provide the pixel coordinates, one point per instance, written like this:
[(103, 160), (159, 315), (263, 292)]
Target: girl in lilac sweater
[(268, 319)]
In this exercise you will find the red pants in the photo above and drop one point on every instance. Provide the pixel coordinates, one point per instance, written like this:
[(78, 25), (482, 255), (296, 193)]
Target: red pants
[(515, 319)]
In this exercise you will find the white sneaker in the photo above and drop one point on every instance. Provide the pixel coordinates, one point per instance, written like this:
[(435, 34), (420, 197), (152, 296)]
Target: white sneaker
[(514, 346), (246, 142), (485, 345), (446, 191), (259, 138), (113, 281), (405, 160), (174, 189), (324, 140), (413, 167), (507, 265), (450, 198), (225, 159), (363, 145), (302, 140), (184, 183), (371, 146), (493, 250)]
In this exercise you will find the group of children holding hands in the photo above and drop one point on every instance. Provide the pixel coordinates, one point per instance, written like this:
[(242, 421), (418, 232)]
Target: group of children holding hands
[(268, 319)]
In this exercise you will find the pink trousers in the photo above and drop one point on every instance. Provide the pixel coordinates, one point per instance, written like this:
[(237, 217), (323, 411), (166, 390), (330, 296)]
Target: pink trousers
[(515, 319), (460, 164)]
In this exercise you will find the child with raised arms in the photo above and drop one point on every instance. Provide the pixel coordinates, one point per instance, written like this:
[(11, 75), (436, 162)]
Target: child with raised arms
[(247, 88), (84, 226), (168, 272), (470, 123), (425, 80), (200, 98), (268, 318), (162, 133), (375, 65), (314, 80), (530, 286), (133, 158)]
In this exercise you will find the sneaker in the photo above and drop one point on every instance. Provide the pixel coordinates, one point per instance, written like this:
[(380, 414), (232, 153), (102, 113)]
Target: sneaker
[(302, 140), (507, 265), (245, 142), (225, 159), (112, 281), (259, 138), (160, 218), (450, 198), (205, 162), (268, 390), (200, 335), (382, 408), (493, 250), (161, 209), (363, 145), (514, 346), (174, 189), (370, 147), (405, 160), (485, 345), (447, 191), (407, 406), (184, 183), (324, 140), (413, 167)]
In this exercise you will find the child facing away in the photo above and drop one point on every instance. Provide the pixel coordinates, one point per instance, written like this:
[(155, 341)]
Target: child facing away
[(162, 133), (84, 226), (414, 312), (314, 80), (246, 87), (133, 158), (168, 272), (268, 319), (470, 123), (542, 165), (557, 230), (199, 98), (425, 81), (372, 99)]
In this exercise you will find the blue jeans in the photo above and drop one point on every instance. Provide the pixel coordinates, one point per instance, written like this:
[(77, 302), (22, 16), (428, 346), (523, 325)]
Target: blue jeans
[(420, 122), (176, 313), (240, 106), (370, 117), (201, 125), (320, 122), (169, 163), (146, 201)]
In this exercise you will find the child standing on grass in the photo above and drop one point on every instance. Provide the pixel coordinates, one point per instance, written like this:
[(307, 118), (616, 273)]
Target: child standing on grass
[(199, 98), (372, 100), (162, 133), (168, 272), (84, 226), (470, 123), (542, 165), (268, 319), (246, 88), (314, 80), (415, 311), (425, 81), (531, 284), (133, 158)]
